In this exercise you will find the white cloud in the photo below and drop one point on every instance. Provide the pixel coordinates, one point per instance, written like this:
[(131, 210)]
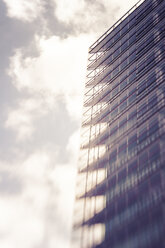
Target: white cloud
[(22, 118), (92, 16), (20, 224), (73, 145), (22, 215), (66, 9), (65, 177), (24, 9), (59, 71), (47, 190)]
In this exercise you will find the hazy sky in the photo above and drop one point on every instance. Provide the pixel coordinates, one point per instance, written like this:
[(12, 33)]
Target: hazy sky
[(43, 49)]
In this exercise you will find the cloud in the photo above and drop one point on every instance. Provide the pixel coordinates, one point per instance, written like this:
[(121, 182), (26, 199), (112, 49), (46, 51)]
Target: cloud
[(9, 183), (66, 180), (87, 16), (21, 119), (66, 10), (22, 222), (17, 227), (35, 216), (24, 10), (83, 16), (59, 71)]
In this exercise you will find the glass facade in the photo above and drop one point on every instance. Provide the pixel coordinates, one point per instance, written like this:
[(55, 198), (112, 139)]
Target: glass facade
[(120, 200)]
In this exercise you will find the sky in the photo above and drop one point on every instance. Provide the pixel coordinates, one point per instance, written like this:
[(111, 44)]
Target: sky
[(44, 49)]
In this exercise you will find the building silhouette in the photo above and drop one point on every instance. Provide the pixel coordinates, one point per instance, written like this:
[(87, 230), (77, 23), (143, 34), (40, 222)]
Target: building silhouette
[(120, 201)]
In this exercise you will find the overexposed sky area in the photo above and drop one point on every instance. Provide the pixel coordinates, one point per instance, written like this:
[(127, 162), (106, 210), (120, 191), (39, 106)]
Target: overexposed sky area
[(44, 48)]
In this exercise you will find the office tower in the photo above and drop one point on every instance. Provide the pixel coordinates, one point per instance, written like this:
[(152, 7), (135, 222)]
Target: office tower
[(121, 178)]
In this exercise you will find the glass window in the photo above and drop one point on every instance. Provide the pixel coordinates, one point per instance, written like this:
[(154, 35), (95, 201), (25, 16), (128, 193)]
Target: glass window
[(132, 57), (151, 79), (132, 90), (123, 84), (132, 115), (143, 135), (114, 112), (140, 47), (123, 125), (109, 76), (132, 17), (114, 105), (116, 53), (132, 39), (132, 120), (123, 105), (132, 31), (124, 46), (116, 37), (113, 156), (103, 138), (132, 77), (111, 209), (132, 197), (121, 204), (150, 39), (123, 40), (112, 181), (141, 87), (105, 114), (132, 49), (122, 122), (132, 167), (132, 98), (124, 56), (132, 142), (114, 84), (143, 159), (124, 29), (115, 91), (142, 109), (150, 58), (123, 64), (122, 174), (123, 148), (141, 67), (154, 151), (143, 188), (153, 126), (116, 62), (155, 180), (123, 77), (115, 71), (152, 102), (109, 60), (113, 130)]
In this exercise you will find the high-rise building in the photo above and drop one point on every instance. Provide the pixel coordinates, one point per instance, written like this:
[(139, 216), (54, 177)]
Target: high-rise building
[(121, 180)]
